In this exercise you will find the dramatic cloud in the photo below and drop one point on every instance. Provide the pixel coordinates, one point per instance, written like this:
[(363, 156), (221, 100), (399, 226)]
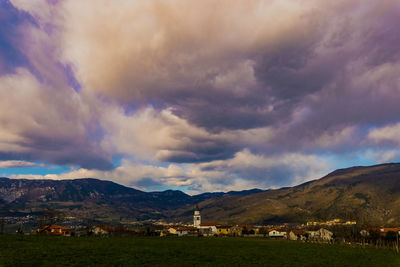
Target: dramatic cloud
[(244, 170), (270, 171), (164, 136), (40, 123), (10, 33), (210, 95)]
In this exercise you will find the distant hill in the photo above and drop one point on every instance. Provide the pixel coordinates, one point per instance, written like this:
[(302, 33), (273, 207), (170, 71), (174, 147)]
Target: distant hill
[(93, 198), (366, 194)]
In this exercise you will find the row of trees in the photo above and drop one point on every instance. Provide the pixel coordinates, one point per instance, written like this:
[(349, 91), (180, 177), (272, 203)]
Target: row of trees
[(365, 235)]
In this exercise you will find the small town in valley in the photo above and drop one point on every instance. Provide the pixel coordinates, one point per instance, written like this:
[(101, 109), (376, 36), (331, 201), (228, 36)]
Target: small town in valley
[(199, 133), (330, 231)]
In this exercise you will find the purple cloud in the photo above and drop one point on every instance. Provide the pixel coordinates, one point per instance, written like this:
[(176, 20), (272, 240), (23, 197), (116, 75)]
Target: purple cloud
[(162, 83)]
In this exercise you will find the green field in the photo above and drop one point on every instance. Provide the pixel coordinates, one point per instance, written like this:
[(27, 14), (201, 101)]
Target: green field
[(173, 251)]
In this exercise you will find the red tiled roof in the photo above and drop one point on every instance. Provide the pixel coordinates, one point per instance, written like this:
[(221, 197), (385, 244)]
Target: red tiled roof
[(298, 232), (393, 229), (209, 224), (59, 227)]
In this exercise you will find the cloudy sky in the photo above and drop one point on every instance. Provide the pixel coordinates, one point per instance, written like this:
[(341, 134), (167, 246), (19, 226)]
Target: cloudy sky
[(210, 95)]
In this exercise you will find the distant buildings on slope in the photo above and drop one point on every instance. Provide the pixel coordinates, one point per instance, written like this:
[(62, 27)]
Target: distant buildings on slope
[(331, 222)]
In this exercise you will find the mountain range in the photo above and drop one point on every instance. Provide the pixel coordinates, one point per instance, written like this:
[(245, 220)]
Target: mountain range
[(93, 198), (369, 195)]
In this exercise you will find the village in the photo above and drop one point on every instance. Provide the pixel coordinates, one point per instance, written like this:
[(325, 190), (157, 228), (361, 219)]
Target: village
[(331, 231)]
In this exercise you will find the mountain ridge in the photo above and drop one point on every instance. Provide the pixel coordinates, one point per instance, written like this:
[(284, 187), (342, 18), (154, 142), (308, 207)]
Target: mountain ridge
[(368, 194), (33, 195)]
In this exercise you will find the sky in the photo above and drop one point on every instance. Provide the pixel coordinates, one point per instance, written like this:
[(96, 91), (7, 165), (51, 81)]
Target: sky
[(211, 95)]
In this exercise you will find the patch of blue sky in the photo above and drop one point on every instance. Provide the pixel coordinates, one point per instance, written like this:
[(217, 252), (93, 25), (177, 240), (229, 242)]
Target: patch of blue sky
[(71, 79), (361, 157), (36, 170), (117, 160)]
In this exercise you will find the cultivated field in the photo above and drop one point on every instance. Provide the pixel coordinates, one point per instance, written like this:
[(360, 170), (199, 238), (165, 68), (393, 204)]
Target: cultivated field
[(172, 251)]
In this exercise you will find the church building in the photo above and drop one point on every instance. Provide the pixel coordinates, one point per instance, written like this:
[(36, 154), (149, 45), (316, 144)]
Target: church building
[(206, 229), (196, 217)]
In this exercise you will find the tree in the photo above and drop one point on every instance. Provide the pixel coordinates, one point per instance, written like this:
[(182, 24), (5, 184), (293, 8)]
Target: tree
[(51, 216), (2, 226), (374, 236), (20, 229), (391, 236), (263, 231)]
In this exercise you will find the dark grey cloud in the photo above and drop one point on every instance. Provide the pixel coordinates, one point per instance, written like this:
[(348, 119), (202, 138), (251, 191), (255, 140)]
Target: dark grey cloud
[(11, 19), (148, 183), (197, 151), (41, 122)]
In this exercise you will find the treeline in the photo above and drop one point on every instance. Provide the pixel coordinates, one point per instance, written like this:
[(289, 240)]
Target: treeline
[(365, 235)]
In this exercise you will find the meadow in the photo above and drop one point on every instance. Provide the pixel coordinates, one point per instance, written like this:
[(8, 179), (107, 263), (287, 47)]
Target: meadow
[(183, 251)]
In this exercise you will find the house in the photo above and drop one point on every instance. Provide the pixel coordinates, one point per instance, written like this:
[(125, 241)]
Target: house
[(181, 231), (208, 229), (103, 230), (164, 232), (236, 230), (320, 235), (54, 230), (384, 230), (249, 229), (334, 222), (296, 235), (206, 232), (224, 229), (277, 233), (364, 233)]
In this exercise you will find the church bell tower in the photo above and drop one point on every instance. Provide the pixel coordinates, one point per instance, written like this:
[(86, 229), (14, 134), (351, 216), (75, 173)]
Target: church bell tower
[(196, 217)]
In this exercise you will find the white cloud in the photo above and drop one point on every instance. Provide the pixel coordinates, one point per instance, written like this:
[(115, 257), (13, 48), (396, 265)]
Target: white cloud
[(16, 164), (383, 155), (274, 170), (390, 133), (334, 138), (244, 171)]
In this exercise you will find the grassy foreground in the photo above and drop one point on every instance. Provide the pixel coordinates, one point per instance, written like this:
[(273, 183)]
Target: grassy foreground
[(174, 251)]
